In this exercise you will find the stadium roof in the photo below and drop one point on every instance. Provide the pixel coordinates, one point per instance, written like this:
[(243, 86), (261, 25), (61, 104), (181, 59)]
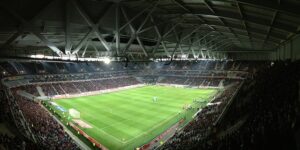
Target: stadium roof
[(146, 28)]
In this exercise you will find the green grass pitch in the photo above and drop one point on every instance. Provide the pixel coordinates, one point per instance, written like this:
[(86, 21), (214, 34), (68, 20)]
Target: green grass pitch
[(129, 118)]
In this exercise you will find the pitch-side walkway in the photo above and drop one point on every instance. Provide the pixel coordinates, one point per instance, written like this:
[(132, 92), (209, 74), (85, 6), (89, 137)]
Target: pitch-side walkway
[(82, 145)]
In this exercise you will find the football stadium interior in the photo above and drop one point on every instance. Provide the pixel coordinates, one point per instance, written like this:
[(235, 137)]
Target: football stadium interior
[(149, 74)]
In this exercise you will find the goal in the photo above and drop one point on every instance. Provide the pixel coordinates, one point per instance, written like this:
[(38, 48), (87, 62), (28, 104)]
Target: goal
[(74, 113)]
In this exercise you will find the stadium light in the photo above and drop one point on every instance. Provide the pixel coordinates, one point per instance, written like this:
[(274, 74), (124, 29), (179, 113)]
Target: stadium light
[(106, 60), (184, 56), (37, 56)]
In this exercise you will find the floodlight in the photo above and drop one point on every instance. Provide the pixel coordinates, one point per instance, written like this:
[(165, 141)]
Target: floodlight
[(37, 56), (106, 60)]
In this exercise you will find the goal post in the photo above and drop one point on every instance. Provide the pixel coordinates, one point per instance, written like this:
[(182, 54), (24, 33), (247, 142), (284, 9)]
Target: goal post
[(74, 113)]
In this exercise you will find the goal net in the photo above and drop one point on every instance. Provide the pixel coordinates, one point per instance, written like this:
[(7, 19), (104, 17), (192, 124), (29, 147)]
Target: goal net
[(74, 113)]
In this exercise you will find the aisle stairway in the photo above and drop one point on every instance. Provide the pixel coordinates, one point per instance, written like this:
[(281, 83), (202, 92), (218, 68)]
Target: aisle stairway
[(40, 90), (26, 95)]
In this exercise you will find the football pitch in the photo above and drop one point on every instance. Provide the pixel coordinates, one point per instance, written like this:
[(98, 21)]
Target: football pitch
[(129, 118)]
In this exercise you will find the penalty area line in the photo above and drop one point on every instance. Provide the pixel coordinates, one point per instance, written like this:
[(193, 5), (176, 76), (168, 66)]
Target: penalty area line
[(129, 140), (143, 133), (99, 129)]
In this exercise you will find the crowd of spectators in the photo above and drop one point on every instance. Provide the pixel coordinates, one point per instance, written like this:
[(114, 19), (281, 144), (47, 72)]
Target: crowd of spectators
[(2, 106), (51, 71), (65, 78), (8, 142), (22, 113), (30, 89), (14, 140), (203, 73), (47, 69), (61, 88), (15, 117), (80, 76), (197, 81), (47, 130), (11, 143), (201, 126), (209, 65), (74, 87), (271, 109)]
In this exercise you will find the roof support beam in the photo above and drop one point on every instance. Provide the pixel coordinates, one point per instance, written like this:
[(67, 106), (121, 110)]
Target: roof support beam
[(82, 42), (244, 23), (181, 4), (253, 38), (133, 18), (256, 31), (190, 48), (178, 41), (134, 35), (25, 23), (207, 4), (142, 45), (235, 16), (216, 46), (86, 46), (67, 27), (147, 17), (170, 30), (223, 46), (270, 28), (198, 40), (207, 44), (291, 9), (93, 26), (11, 39), (165, 49), (117, 32), (189, 34), (157, 24), (214, 40), (96, 49), (160, 39), (175, 49)]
